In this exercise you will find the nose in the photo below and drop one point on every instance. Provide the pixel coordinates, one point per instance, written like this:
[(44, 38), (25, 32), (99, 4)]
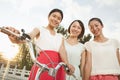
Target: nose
[(94, 28), (75, 28), (56, 20)]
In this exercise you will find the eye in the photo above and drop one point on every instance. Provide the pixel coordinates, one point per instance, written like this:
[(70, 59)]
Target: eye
[(90, 27), (73, 26), (54, 15), (96, 25), (79, 27), (59, 18)]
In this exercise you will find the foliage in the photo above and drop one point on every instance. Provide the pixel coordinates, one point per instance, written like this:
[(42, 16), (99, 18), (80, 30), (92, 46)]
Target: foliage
[(85, 38), (23, 58), (64, 32)]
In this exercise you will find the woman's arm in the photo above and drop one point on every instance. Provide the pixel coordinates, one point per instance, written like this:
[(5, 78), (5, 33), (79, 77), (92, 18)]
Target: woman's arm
[(11, 32), (118, 55), (34, 33), (82, 62), (88, 66), (64, 58), (63, 53)]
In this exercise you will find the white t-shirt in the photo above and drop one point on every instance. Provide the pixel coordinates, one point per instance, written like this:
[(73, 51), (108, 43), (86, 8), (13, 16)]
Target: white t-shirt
[(46, 41), (104, 57)]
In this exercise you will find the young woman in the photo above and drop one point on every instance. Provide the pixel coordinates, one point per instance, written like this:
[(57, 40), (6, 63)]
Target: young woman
[(52, 44), (103, 56), (74, 48)]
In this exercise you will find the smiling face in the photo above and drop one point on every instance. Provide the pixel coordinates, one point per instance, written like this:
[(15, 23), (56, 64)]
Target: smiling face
[(54, 19), (75, 29), (95, 27)]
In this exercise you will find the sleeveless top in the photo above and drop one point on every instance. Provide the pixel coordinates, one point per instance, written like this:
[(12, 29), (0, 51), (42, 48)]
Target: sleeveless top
[(74, 56), (50, 44), (104, 57), (47, 41)]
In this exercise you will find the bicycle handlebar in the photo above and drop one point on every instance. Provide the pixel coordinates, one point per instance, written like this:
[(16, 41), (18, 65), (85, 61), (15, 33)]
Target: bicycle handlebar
[(27, 39), (8, 32), (43, 67)]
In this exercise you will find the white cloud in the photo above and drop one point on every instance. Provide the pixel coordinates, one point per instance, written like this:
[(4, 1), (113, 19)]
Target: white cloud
[(30, 12), (73, 10), (107, 2), (13, 2), (26, 5), (113, 31), (119, 11), (117, 31), (117, 25)]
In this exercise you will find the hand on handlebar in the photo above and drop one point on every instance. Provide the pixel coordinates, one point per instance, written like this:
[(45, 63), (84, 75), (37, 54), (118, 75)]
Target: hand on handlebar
[(71, 69), (9, 30), (14, 34)]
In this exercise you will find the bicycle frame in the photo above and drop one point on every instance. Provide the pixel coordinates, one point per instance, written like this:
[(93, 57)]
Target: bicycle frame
[(42, 67), (51, 71)]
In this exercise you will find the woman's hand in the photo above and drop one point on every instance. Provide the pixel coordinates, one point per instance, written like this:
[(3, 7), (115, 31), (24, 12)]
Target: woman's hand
[(13, 38), (8, 30), (118, 77), (71, 69), (13, 30)]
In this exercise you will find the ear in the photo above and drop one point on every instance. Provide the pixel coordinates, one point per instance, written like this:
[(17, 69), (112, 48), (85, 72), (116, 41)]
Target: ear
[(102, 26)]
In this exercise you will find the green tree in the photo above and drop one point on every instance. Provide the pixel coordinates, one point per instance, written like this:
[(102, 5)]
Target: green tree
[(85, 38), (62, 30), (23, 57)]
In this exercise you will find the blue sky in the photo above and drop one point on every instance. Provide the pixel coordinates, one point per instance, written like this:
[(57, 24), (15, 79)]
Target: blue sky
[(28, 14)]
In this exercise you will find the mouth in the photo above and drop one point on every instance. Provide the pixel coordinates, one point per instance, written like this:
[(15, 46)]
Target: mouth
[(96, 33), (74, 32), (54, 23)]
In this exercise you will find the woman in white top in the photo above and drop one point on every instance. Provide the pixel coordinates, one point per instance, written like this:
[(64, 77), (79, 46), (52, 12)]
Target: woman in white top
[(73, 47), (52, 44), (103, 56)]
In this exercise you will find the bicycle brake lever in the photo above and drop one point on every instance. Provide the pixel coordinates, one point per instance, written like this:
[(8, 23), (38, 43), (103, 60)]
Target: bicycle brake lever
[(24, 35), (67, 69)]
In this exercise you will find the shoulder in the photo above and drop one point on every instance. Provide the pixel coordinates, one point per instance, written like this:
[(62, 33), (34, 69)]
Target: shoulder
[(88, 46), (88, 43), (60, 35), (81, 44), (42, 30), (113, 41), (38, 29)]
